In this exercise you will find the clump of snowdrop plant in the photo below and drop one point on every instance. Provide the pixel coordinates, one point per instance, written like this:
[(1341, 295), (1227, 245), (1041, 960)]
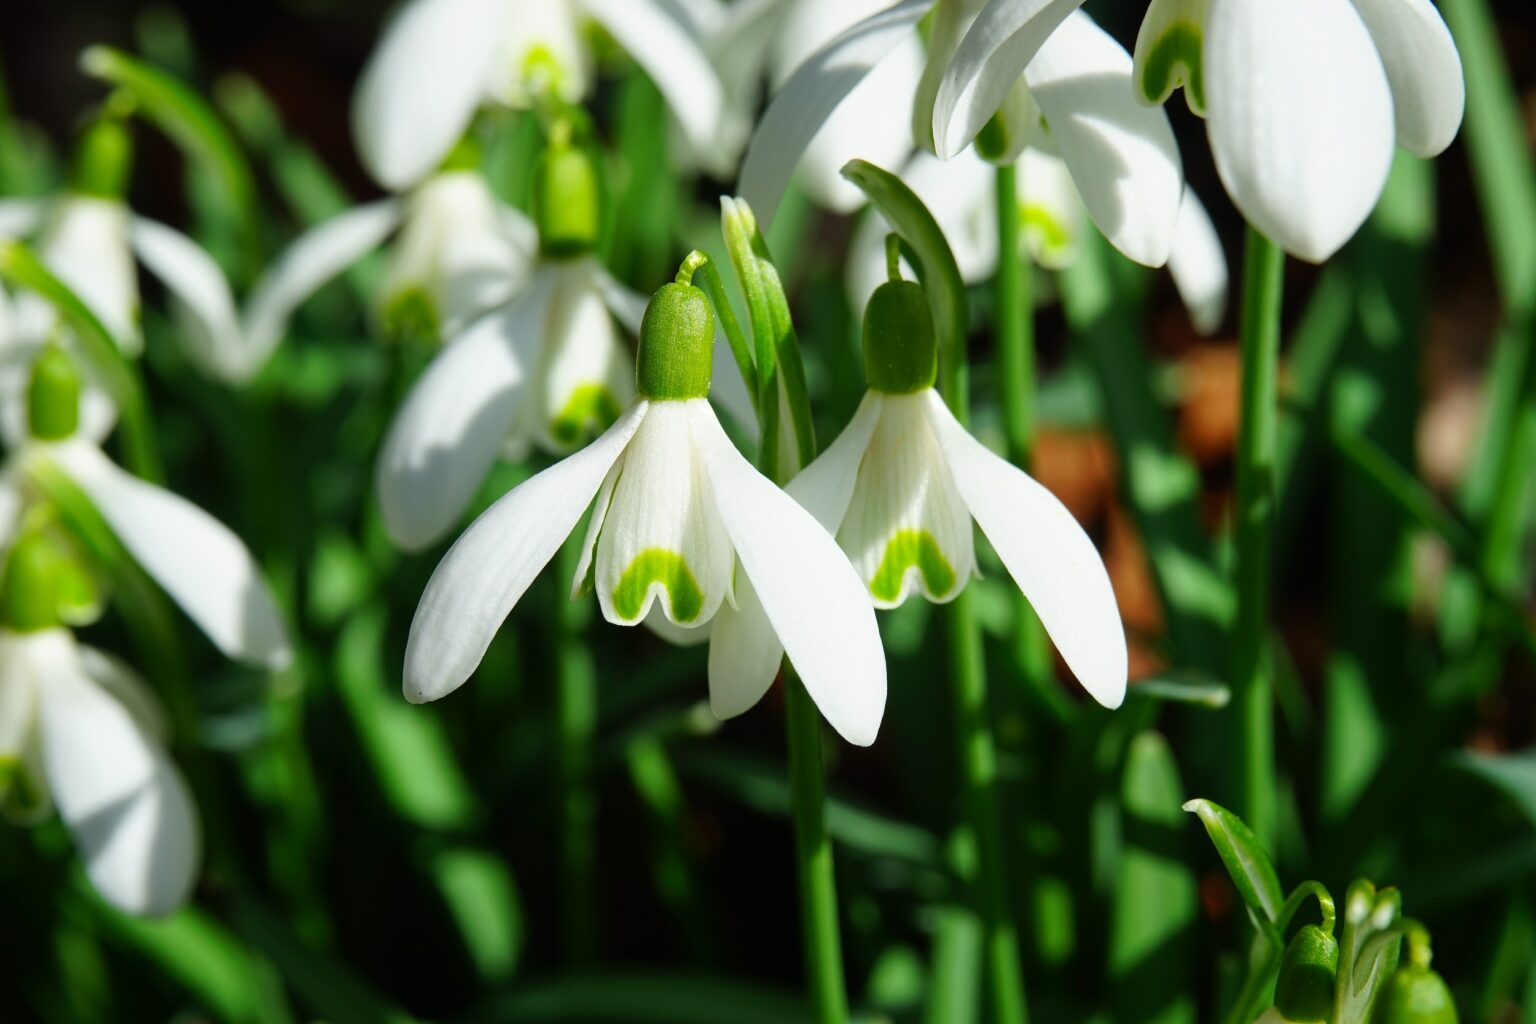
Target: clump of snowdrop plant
[(77, 727), (683, 528)]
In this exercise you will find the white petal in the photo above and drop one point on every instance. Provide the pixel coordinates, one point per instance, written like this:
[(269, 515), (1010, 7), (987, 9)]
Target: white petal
[(1001, 42), (1046, 552), (1123, 156), (744, 653), (906, 527), (1199, 266), (124, 801), (812, 597), (422, 84), (312, 260), (1299, 117), (581, 580), (21, 217), (1423, 69), (448, 431), (808, 98), (584, 376), (1051, 209), (825, 486), (663, 541), (86, 247), (679, 636), (491, 565), (200, 563), (210, 327), (129, 689), (671, 56), (544, 52)]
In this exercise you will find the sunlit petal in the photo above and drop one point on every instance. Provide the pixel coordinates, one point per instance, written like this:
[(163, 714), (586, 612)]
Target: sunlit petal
[(1423, 69)]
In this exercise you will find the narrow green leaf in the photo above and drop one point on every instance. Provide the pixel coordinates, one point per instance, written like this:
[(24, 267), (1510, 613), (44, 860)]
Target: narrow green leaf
[(1513, 774), (646, 998), (1245, 859)]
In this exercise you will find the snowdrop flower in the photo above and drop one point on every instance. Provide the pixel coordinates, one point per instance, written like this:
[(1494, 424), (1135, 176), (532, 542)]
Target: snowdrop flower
[(1043, 73), (901, 486), (439, 60), (681, 527), (458, 251), (960, 196), (197, 560), (90, 240), (1304, 100)]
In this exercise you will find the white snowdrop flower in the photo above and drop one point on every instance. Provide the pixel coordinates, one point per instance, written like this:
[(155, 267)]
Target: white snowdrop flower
[(900, 488), (81, 732), (681, 528), (1040, 72), (198, 561), (439, 60), (959, 193), (1304, 101)]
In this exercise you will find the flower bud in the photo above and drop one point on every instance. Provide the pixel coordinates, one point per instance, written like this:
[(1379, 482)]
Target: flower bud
[(53, 395), (901, 352), (1308, 975), (565, 200), (677, 344), (1416, 995), (103, 158)]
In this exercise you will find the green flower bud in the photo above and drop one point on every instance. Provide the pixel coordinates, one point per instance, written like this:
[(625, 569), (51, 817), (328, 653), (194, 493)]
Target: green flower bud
[(677, 341), (1415, 995), (565, 200), (901, 351), (1308, 976), (53, 395), (103, 158)]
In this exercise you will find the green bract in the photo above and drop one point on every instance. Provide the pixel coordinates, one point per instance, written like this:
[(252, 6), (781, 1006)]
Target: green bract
[(901, 353), (677, 343), (1304, 991), (53, 396), (565, 201)]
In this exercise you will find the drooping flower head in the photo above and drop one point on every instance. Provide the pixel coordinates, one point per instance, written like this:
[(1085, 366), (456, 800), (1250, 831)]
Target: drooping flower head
[(681, 526)]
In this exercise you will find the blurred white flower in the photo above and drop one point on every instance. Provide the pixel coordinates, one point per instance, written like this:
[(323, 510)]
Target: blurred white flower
[(682, 526), (1304, 100), (439, 60), (80, 731)]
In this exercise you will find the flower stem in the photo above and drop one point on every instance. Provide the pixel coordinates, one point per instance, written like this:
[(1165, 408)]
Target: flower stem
[(813, 856), (1253, 513), (576, 715)]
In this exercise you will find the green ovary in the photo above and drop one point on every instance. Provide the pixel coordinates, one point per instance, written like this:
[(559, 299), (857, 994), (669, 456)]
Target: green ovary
[(658, 565), (590, 405), (411, 313), (908, 548), (1176, 58)]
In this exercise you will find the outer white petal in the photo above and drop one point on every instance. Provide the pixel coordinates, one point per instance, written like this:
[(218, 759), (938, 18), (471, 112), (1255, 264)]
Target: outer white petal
[(491, 565), (210, 326), (1423, 69), (1299, 117), (86, 245), (1046, 552), (808, 98), (422, 84), (1001, 42), (812, 597), (671, 56), (1123, 156), (21, 217), (312, 260), (449, 429), (126, 804), (1199, 266), (663, 541), (201, 564), (128, 688)]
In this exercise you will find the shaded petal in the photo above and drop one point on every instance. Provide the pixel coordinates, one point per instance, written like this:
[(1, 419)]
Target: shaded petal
[(1051, 209), (129, 689), (825, 486), (126, 804), (1423, 69), (448, 431), (1001, 42), (673, 59), (1122, 155), (813, 599), (1299, 117), (1199, 266), (201, 564), (492, 564), (808, 98), (420, 88), (210, 326), (21, 217), (1046, 552), (86, 246), (744, 654), (679, 636), (585, 375), (313, 259)]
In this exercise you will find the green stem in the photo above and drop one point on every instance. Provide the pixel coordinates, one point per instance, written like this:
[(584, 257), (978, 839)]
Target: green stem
[(813, 856), (1253, 514), (576, 723)]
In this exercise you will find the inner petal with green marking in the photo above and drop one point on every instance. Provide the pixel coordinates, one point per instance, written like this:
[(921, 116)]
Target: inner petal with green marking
[(590, 409), (912, 550), (1175, 59), (668, 572)]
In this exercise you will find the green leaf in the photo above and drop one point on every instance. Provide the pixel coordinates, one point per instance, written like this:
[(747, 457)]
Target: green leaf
[(1514, 774), (647, 998), (1245, 859)]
